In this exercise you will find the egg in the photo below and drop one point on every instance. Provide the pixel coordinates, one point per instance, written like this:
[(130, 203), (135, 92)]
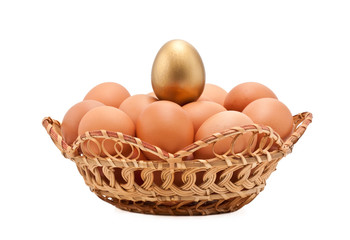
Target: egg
[(110, 119), (166, 125), (71, 119), (108, 93), (220, 122), (200, 111), (135, 104), (202, 98), (243, 94), (213, 93), (178, 73), (271, 112), (152, 94)]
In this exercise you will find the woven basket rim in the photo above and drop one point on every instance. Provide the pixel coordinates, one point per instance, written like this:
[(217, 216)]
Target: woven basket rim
[(301, 121)]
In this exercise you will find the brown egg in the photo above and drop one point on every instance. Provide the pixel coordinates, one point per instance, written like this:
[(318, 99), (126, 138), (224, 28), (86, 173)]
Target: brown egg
[(71, 120), (220, 122), (273, 113), (200, 111), (202, 98), (135, 104), (214, 93), (108, 93), (166, 125), (152, 94), (110, 119), (243, 94)]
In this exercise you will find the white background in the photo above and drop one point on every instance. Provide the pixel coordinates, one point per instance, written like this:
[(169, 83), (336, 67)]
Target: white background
[(53, 52)]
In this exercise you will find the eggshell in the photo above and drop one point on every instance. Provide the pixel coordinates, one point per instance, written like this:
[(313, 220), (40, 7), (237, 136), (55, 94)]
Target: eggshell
[(152, 94), (200, 111), (108, 93), (166, 125), (220, 122), (202, 98), (135, 104), (178, 73), (243, 94), (71, 120), (273, 113), (213, 93), (110, 119)]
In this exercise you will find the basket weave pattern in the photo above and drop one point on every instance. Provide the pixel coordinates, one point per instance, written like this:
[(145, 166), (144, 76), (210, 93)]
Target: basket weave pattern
[(172, 185)]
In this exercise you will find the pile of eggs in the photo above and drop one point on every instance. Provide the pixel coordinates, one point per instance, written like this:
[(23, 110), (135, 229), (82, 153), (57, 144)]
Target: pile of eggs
[(172, 117)]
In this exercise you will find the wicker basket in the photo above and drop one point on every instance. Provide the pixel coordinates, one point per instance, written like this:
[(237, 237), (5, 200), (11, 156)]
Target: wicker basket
[(172, 185)]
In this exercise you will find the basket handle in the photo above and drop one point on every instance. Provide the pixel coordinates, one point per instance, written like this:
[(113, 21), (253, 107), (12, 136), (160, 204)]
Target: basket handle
[(302, 121), (53, 128)]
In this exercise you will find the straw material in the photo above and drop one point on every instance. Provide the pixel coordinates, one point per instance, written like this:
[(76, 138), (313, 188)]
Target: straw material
[(172, 185)]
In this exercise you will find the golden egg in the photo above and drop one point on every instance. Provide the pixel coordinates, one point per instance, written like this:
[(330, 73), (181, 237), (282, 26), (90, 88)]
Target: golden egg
[(178, 73)]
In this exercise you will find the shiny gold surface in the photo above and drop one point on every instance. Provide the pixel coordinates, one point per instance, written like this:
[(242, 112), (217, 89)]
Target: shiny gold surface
[(178, 73)]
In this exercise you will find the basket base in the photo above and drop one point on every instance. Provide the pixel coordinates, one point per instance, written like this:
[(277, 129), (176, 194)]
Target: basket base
[(181, 208)]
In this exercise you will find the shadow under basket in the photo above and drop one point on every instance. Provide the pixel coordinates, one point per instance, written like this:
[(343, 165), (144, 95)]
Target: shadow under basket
[(178, 184)]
